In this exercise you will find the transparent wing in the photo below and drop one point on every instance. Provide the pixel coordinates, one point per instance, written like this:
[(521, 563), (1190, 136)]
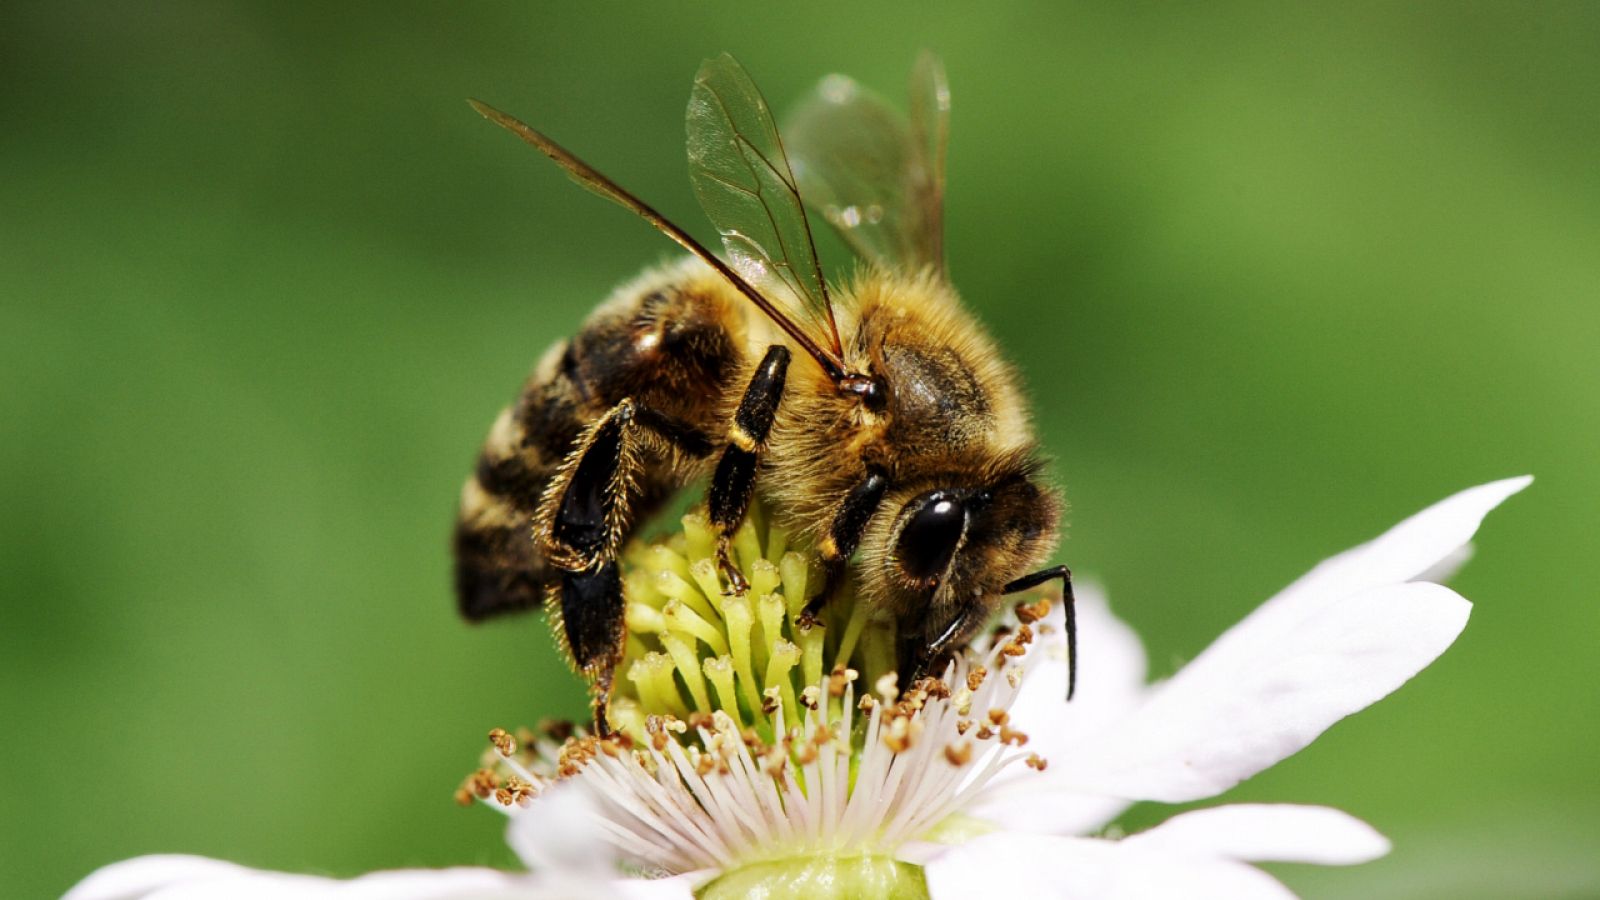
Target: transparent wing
[(743, 180), (877, 178), (930, 136), (590, 178)]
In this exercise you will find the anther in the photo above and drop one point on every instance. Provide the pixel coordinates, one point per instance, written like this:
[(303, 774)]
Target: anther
[(503, 743), (1028, 613), (887, 686)]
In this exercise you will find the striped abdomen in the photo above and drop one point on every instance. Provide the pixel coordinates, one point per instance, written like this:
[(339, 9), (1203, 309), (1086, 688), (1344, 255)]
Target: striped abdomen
[(672, 342)]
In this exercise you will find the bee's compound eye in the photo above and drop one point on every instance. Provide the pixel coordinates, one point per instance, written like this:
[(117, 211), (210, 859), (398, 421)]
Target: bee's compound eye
[(929, 539)]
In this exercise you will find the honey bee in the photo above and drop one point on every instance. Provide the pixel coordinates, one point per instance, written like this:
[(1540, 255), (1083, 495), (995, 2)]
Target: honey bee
[(901, 440)]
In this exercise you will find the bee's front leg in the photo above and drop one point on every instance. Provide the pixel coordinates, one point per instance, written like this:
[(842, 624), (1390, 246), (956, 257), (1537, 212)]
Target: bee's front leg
[(844, 534), (585, 516), (734, 481), (920, 657)]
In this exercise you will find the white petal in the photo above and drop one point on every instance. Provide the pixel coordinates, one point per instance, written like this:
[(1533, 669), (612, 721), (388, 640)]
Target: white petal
[(678, 887), (1445, 569), (1335, 641), (1422, 545), (1229, 715), (561, 832), (1034, 805), (139, 876), (1028, 865), (1111, 673), (193, 878), (1268, 833)]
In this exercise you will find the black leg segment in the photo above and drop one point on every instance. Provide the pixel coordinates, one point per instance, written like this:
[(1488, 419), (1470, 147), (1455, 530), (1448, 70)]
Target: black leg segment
[(591, 614), (591, 620), (581, 522), (593, 510), (1037, 578), (844, 535), (734, 481), (584, 524), (919, 657)]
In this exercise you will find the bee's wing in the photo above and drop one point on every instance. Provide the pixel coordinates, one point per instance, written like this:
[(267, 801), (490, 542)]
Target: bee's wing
[(876, 178), (589, 177), (743, 180)]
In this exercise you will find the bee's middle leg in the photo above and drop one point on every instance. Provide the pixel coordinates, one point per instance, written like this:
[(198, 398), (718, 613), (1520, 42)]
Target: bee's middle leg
[(584, 519), (734, 480)]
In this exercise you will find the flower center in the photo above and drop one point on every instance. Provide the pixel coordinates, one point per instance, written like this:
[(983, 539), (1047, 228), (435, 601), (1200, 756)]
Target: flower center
[(745, 742), (695, 649), (820, 878)]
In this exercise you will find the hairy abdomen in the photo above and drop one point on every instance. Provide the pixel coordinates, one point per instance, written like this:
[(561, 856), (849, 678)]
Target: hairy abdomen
[(673, 341)]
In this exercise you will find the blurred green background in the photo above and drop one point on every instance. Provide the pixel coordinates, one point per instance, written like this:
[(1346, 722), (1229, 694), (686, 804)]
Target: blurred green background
[(1276, 279)]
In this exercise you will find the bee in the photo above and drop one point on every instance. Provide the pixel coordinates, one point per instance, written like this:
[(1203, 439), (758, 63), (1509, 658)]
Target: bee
[(899, 443)]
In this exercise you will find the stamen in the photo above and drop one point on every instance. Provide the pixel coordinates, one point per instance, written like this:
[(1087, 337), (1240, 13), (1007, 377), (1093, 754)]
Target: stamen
[(784, 657), (742, 738), (1029, 613), (503, 743)]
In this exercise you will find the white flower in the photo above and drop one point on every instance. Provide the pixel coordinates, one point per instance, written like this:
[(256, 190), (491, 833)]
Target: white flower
[(932, 799)]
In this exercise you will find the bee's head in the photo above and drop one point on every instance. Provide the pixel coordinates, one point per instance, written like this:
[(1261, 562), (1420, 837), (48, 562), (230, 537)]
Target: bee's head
[(957, 543)]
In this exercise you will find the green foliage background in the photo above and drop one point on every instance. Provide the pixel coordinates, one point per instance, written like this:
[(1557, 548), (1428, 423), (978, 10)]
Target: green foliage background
[(1276, 277)]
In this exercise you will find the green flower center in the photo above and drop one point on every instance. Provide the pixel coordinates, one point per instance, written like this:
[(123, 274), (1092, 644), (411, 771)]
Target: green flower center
[(695, 649), (820, 878)]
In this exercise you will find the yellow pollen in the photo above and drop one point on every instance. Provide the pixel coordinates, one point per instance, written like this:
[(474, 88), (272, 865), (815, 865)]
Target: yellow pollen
[(503, 743), (887, 686), (1028, 613), (516, 791), (810, 697)]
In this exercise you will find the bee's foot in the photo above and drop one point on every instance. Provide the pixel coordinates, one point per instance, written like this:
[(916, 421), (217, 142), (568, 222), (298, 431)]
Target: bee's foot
[(807, 620), (737, 585)]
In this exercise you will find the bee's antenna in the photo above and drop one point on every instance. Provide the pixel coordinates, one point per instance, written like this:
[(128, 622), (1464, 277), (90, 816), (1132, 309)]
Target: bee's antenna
[(590, 178), (1069, 601)]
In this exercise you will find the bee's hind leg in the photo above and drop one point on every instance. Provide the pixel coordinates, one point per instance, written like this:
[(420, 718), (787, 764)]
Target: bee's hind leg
[(581, 524), (590, 607), (734, 481)]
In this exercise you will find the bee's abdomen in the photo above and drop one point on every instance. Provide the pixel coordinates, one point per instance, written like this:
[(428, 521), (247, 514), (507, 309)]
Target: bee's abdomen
[(497, 569), (668, 342)]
